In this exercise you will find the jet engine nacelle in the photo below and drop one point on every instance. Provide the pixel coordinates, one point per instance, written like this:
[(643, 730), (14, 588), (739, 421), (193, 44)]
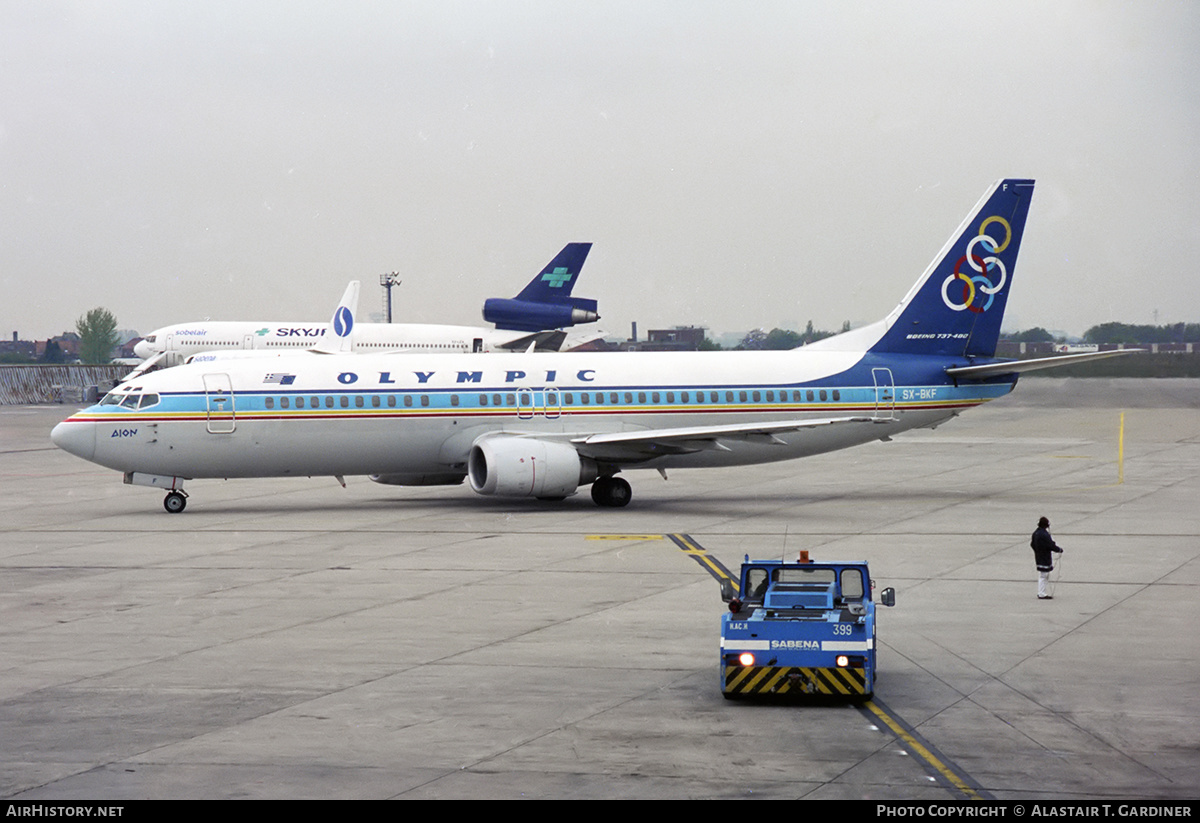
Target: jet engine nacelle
[(527, 467), (525, 315)]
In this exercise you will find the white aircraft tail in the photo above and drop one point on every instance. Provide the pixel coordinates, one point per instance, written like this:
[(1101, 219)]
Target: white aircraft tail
[(339, 338)]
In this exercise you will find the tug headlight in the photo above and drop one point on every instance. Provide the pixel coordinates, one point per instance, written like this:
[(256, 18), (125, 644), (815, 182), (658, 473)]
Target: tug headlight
[(843, 661), (746, 659)]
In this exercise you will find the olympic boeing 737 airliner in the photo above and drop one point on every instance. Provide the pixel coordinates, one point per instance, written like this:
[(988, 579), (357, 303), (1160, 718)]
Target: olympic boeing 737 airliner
[(542, 425)]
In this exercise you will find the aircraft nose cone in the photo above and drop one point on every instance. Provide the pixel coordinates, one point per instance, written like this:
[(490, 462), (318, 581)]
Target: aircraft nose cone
[(77, 438)]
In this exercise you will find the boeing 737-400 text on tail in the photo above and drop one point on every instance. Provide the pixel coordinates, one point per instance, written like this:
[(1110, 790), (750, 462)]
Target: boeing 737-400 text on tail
[(542, 425)]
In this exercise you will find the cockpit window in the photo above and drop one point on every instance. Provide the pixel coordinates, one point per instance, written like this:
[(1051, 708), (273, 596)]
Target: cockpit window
[(130, 399)]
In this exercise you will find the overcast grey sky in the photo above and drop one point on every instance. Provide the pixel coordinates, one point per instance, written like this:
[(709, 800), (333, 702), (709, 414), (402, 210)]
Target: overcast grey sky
[(736, 164)]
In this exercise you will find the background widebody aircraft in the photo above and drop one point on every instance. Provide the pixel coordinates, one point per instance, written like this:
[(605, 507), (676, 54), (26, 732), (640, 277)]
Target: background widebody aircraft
[(536, 316)]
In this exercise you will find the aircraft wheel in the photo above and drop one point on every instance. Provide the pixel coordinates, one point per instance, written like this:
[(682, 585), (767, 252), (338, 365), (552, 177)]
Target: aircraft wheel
[(174, 502), (612, 492)]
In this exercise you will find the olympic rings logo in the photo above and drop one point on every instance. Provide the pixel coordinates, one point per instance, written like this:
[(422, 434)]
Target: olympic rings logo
[(978, 288)]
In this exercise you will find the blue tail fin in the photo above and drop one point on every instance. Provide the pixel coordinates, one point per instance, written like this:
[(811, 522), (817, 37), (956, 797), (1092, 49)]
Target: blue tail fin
[(546, 303), (957, 306), (554, 283)]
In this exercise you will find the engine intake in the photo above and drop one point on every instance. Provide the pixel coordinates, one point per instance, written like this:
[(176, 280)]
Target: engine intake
[(527, 467)]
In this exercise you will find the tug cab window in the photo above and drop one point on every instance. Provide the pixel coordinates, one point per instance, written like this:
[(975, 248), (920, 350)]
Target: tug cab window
[(852, 584), (756, 586)]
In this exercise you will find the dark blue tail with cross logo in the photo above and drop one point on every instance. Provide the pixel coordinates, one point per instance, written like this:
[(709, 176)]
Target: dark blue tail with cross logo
[(546, 303)]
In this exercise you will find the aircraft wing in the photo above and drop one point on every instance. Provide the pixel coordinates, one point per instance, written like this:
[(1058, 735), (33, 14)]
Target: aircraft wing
[(1018, 366), (645, 445), (545, 341), (581, 338)]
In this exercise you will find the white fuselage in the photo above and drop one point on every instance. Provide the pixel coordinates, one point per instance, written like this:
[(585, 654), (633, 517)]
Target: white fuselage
[(385, 414), (181, 341)]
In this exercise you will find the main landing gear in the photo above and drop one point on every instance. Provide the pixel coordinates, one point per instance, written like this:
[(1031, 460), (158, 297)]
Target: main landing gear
[(175, 502), (612, 492)]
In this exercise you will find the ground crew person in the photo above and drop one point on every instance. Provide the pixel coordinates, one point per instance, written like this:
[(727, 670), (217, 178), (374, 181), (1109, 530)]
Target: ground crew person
[(1043, 545)]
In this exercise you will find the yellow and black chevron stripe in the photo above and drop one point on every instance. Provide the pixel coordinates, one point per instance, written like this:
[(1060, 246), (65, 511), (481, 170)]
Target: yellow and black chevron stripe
[(795, 680)]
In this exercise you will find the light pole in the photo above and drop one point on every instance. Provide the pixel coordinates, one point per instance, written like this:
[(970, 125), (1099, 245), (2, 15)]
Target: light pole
[(387, 281)]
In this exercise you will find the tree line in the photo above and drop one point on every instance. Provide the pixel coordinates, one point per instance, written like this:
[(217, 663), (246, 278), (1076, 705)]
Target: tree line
[(1116, 333), (97, 332)]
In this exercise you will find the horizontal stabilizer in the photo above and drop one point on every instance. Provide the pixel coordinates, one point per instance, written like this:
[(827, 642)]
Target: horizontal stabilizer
[(1036, 364)]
